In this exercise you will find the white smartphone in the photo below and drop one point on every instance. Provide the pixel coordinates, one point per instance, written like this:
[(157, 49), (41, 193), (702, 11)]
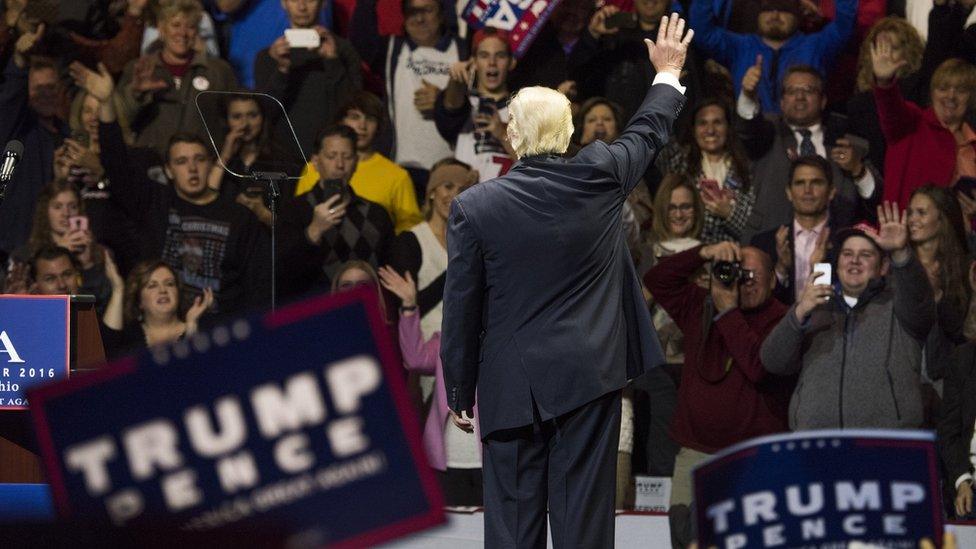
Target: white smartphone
[(827, 276), (303, 38)]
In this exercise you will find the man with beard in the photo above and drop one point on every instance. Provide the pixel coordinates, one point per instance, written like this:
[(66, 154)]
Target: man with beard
[(776, 47), (475, 120), (776, 141), (796, 247)]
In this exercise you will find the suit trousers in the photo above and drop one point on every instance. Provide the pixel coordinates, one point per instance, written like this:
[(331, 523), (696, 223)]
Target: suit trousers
[(568, 462)]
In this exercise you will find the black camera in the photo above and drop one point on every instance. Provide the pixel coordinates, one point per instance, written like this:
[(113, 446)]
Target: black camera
[(730, 272)]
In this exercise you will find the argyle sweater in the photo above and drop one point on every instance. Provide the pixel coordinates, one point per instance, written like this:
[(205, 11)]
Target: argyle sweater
[(364, 233)]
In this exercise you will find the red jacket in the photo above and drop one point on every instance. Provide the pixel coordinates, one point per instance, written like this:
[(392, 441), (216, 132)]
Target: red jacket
[(920, 149), (747, 402)]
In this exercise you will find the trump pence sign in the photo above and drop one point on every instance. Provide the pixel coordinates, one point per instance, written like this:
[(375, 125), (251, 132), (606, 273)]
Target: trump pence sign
[(297, 420)]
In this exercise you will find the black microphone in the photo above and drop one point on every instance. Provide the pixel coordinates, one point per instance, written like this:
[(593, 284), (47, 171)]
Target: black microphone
[(11, 156)]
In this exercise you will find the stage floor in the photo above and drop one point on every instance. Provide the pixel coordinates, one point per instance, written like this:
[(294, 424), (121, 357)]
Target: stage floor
[(645, 530)]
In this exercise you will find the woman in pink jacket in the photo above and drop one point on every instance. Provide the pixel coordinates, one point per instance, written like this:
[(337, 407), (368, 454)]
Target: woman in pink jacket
[(453, 447)]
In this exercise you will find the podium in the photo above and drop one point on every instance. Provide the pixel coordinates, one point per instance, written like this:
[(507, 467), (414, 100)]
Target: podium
[(18, 451)]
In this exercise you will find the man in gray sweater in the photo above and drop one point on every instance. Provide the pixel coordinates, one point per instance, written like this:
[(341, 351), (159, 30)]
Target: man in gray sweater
[(858, 347)]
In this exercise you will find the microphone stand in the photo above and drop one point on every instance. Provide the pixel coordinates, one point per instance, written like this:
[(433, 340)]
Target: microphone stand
[(272, 180)]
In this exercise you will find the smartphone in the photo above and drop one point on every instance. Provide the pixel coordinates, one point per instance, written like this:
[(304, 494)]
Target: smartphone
[(77, 223), (827, 271), (837, 126), (621, 20), (710, 185), (332, 187), (303, 38)]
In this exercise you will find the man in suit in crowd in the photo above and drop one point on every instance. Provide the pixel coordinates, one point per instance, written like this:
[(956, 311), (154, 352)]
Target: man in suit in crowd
[(797, 246), (544, 316)]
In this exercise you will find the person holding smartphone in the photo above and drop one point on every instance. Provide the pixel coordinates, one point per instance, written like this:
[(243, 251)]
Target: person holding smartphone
[(310, 69), (60, 221), (473, 110), (857, 345)]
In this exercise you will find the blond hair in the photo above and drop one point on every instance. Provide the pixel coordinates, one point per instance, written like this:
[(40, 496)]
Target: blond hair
[(168, 9), (959, 73), (540, 122), (912, 48)]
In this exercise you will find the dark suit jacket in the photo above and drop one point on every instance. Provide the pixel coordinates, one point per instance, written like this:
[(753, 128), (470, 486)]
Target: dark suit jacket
[(766, 241), (542, 303), (772, 143), (958, 412)]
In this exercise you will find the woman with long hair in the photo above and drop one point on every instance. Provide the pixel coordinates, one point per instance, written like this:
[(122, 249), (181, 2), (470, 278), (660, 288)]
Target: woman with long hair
[(711, 156), (937, 234), (145, 309), (59, 220)]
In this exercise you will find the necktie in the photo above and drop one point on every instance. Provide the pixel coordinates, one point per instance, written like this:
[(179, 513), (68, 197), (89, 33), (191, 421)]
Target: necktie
[(806, 145)]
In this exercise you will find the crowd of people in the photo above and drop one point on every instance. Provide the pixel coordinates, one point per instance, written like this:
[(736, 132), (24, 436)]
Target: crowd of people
[(839, 132)]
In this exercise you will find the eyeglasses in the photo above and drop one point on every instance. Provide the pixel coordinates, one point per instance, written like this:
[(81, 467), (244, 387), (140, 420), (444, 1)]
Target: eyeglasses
[(801, 90)]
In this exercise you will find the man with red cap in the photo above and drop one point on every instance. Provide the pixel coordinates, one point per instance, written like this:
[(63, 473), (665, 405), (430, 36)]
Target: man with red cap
[(857, 344), (472, 111), (775, 47)]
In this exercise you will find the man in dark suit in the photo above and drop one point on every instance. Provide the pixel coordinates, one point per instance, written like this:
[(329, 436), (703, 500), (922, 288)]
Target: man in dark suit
[(795, 247), (801, 130), (543, 312)]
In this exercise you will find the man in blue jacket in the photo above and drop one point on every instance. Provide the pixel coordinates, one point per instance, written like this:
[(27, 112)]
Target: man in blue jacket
[(777, 46), (544, 316)]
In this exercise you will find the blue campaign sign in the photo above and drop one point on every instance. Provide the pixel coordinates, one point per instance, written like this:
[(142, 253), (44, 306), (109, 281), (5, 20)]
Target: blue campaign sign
[(296, 421), (819, 489), (34, 337)]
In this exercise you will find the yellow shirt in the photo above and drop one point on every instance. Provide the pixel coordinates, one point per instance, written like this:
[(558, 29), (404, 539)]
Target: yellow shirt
[(377, 180)]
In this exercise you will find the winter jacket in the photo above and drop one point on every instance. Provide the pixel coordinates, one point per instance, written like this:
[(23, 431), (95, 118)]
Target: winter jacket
[(859, 367)]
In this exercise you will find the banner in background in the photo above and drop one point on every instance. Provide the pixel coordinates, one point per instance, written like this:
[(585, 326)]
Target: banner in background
[(818, 488), (522, 19), (34, 343), (295, 423)]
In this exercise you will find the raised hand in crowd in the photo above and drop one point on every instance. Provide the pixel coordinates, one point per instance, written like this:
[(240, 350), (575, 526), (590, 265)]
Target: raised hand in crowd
[(403, 287), (327, 48), (598, 23), (25, 43), (83, 157), (462, 72), (819, 254), (883, 61), (491, 123), (135, 8), (200, 306), (325, 216), (99, 85), (280, 51), (892, 234), (113, 315), (425, 96), (144, 79), (751, 79), (79, 243), (669, 51), (814, 295)]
